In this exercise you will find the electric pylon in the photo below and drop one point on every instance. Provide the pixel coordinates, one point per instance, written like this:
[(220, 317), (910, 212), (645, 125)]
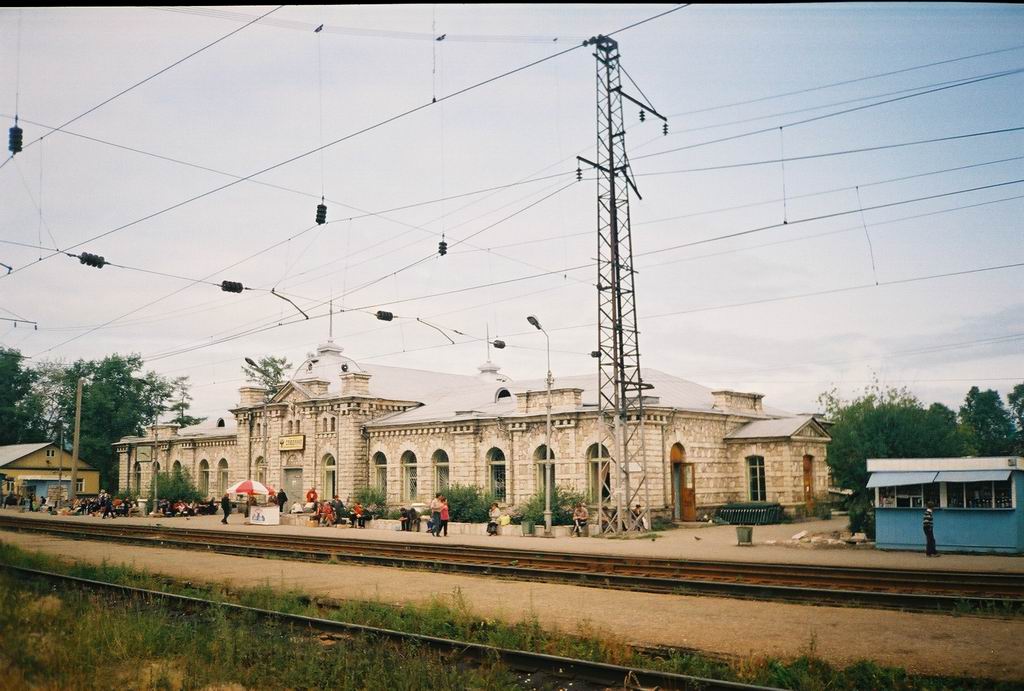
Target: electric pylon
[(622, 474)]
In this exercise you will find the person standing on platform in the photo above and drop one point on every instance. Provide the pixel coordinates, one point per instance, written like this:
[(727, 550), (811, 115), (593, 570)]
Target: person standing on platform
[(225, 506), (414, 519), (435, 514), (282, 499), (312, 496), (444, 516), (929, 531)]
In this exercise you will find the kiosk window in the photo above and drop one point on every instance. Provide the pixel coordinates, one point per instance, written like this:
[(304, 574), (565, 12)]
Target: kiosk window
[(979, 495)]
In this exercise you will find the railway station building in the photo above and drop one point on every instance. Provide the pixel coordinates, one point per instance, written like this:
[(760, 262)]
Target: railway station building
[(340, 425)]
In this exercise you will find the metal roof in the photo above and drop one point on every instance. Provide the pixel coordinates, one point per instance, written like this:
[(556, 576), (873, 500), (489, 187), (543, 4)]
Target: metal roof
[(12, 452), (770, 429)]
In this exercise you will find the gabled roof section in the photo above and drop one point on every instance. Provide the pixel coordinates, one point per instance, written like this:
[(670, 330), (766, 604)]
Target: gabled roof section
[(11, 453), (782, 428)]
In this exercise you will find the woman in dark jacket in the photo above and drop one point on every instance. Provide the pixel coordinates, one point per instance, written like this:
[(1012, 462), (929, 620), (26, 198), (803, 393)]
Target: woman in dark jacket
[(225, 505)]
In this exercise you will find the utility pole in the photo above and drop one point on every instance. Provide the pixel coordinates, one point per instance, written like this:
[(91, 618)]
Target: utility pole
[(60, 464), (74, 448), (155, 465), (621, 386)]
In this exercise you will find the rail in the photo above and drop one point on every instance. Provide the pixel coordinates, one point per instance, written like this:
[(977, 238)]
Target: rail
[(598, 673), (888, 588)]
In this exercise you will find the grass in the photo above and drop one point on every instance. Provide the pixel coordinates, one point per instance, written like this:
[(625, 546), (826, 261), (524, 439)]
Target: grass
[(98, 642), (450, 617)]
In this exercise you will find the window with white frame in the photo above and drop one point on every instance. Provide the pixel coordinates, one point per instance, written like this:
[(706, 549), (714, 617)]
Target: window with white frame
[(497, 475), (442, 471), (985, 494), (755, 478)]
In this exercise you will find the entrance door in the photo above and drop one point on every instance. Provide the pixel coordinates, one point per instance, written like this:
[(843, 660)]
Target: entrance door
[(689, 494), (293, 485), (677, 491), (809, 481), (684, 495)]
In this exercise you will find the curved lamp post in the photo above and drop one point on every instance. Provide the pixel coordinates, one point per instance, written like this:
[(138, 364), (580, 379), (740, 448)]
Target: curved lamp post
[(548, 474)]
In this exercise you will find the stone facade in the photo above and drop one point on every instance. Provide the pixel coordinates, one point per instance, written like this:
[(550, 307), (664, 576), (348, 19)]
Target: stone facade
[(340, 426)]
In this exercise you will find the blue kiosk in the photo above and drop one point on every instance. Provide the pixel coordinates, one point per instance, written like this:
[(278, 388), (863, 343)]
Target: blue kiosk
[(976, 500)]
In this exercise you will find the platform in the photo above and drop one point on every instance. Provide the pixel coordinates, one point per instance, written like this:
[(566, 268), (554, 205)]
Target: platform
[(716, 543)]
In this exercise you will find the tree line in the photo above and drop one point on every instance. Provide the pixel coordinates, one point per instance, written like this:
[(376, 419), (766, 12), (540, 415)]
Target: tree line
[(893, 423), (37, 404)]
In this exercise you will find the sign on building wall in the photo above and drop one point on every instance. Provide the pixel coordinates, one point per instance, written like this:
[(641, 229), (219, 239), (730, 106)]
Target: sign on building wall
[(293, 442)]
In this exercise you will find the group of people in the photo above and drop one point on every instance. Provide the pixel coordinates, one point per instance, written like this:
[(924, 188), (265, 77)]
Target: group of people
[(438, 515)]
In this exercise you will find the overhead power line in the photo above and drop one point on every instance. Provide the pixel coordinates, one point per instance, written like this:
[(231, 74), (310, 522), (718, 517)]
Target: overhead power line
[(346, 137), (589, 265), (155, 75), (828, 154), (849, 81)]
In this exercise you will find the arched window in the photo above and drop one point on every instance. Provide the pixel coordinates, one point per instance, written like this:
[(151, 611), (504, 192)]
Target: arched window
[(380, 466), (220, 422), (755, 478), (599, 476), (298, 426), (204, 477), (333, 424), (259, 429), (441, 471), (410, 482), (261, 470), (502, 393), (290, 426), (496, 474), (176, 468), (545, 470), (330, 476), (222, 475), (137, 482)]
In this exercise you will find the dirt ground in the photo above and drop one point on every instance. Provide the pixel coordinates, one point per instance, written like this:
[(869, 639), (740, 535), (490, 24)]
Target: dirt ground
[(920, 643)]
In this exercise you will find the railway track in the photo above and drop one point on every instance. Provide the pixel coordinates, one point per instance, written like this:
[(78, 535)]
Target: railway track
[(888, 588), (598, 675)]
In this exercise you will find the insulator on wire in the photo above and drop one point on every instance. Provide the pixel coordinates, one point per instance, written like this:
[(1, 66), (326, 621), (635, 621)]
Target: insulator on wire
[(90, 259), (498, 343), (321, 214), (579, 173), (384, 316), (14, 140), (442, 248), (231, 286), (595, 353), (643, 115), (664, 128)]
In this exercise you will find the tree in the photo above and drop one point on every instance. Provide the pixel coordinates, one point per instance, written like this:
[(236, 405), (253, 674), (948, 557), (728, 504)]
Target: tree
[(20, 413), (269, 373), (182, 400), (885, 423), (118, 400), (1016, 401), (986, 423)]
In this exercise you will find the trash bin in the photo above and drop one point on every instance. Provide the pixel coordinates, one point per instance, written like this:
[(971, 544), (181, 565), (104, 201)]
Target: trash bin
[(744, 534)]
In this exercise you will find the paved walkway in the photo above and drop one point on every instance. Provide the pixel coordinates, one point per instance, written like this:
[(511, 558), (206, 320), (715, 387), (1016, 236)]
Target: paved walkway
[(716, 543), (920, 643)]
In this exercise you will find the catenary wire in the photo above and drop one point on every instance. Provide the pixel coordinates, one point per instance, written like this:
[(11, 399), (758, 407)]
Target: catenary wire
[(344, 138)]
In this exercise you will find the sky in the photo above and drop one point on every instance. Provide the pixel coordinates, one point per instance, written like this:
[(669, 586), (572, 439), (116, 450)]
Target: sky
[(188, 146)]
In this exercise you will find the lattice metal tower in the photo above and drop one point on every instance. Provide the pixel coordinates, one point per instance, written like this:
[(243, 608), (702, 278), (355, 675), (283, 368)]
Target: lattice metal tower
[(622, 475)]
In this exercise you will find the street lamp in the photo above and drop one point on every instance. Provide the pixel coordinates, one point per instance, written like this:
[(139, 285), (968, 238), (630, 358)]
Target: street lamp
[(548, 470), (266, 425)]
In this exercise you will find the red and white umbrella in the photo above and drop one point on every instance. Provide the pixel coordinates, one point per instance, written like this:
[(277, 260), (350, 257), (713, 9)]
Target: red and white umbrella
[(248, 487)]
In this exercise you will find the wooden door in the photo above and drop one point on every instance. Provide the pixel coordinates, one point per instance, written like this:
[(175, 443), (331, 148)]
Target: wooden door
[(809, 481), (689, 493)]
